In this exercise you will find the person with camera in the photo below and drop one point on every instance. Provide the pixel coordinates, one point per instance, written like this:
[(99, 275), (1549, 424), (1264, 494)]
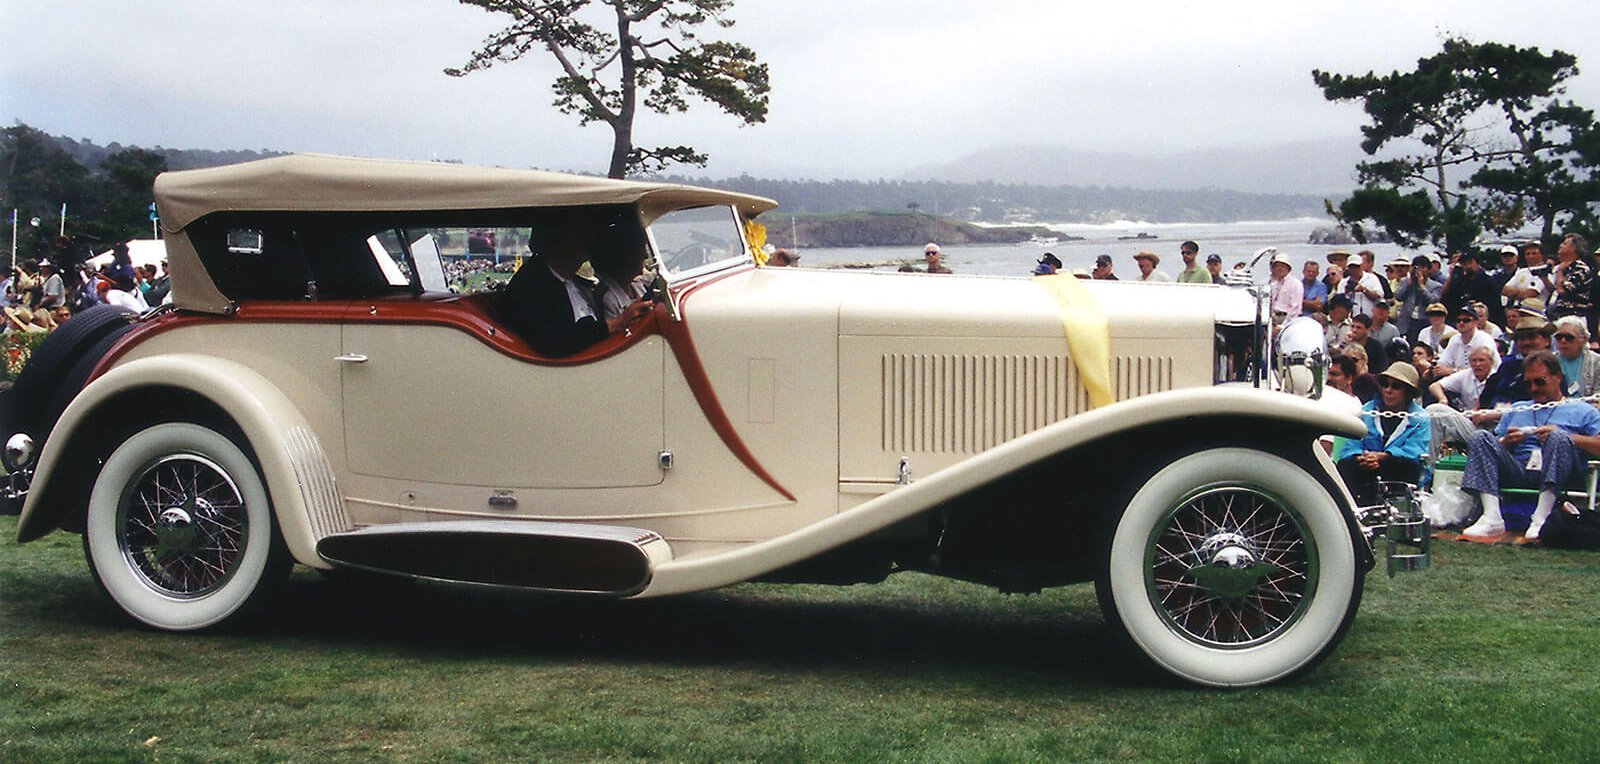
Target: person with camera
[(1414, 294), (1574, 279), (1468, 283), (1533, 279)]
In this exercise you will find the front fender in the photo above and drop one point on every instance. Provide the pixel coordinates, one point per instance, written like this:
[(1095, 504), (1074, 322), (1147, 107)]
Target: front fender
[(1305, 419), (297, 473)]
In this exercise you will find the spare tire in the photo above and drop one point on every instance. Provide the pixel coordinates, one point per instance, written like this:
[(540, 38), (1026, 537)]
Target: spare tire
[(43, 379)]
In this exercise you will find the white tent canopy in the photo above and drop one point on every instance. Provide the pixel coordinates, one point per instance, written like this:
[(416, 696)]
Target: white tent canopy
[(141, 251)]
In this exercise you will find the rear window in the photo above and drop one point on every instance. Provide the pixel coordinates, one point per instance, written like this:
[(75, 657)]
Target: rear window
[(299, 256)]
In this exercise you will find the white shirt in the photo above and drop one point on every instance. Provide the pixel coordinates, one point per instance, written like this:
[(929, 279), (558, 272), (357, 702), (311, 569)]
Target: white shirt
[(580, 302), (1437, 342), (1362, 303), (617, 296), (1524, 279), (1287, 295), (1455, 352), (1468, 388), (1156, 276), (130, 300)]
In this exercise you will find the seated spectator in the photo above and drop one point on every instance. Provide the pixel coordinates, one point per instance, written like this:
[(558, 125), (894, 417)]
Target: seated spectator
[(1580, 366), (1462, 389), (1363, 385), (1341, 372), (1383, 327), (1468, 336), (1438, 332), (1501, 390), (1539, 448), (1361, 334), (1422, 359), (1393, 446)]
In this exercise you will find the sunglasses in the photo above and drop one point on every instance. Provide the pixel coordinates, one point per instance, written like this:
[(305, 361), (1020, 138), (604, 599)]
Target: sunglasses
[(1465, 319), (1391, 384), (1537, 381), (1564, 337)]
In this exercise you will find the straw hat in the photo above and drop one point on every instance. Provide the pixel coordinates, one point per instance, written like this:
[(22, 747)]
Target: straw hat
[(1146, 254), (1401, 371)]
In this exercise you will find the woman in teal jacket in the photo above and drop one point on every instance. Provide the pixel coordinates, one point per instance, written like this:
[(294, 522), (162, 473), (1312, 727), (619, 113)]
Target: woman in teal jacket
[(1393, 447)]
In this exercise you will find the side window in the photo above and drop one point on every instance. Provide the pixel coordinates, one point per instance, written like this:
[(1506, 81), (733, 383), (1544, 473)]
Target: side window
[(470, 258), (390, 255)]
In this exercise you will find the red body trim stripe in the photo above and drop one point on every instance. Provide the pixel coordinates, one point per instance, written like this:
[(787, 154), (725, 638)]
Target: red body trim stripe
[(470, 315)]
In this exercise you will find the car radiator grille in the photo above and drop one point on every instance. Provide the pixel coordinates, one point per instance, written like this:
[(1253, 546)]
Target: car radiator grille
[(970, 403)]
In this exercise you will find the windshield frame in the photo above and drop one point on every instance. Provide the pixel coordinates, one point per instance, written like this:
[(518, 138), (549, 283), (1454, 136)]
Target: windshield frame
[(744, 257)]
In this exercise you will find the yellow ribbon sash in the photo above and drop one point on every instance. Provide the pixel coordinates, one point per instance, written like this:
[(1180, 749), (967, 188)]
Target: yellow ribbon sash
[(1088, 334)]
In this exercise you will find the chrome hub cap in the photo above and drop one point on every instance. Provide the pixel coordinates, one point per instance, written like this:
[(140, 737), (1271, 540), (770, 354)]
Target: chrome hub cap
[(1230, 566), (182, 526)]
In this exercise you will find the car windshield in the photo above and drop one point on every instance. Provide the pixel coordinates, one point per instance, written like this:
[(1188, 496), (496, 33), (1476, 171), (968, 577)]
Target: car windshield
[(698, 239)]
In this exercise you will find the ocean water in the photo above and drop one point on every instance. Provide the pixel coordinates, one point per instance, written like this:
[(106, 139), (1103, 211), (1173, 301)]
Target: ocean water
[(1235, 242)]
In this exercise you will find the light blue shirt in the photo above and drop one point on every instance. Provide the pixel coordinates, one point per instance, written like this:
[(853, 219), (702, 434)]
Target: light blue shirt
[(1576, 417)]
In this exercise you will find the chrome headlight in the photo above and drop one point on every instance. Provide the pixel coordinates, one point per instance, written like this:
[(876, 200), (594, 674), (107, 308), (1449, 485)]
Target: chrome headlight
[(19, 451), (1301, 357)]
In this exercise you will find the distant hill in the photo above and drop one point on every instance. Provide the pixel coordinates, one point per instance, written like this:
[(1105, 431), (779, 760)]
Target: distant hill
[(1325, 166), (90, 154)]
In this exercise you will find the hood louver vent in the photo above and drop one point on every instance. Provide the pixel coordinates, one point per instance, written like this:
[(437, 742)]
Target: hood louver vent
[(943, 404)]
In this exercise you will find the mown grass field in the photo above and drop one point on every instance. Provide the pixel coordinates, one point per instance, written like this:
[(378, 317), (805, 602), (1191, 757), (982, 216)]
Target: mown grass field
[(1493, 655)]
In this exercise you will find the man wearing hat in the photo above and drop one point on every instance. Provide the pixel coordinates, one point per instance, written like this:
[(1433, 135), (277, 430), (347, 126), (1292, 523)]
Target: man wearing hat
[(1047, 266), (1530, 448), (1468, 336), (54, 292), (1532, 280), (1102, 269), (1286, 293), (1413, 295), (1147, 262), (1193, 272), (1214, 265), (1360, 287), (1437, 333), (1337, 332), (1393, 447), (1337, 260)]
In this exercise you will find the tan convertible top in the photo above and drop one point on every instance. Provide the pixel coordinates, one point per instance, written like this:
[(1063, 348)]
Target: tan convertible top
[(313, 183)]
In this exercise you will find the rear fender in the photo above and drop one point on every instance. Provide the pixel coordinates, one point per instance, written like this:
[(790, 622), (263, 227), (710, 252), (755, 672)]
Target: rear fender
[(1296, 423), (299, 478)]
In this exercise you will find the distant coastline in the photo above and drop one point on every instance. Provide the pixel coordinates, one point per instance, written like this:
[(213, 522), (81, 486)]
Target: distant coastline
[(895, 229)]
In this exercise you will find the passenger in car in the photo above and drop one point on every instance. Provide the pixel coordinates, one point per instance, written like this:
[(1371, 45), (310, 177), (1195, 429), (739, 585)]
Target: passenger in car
[(550, 305), (619, 265)]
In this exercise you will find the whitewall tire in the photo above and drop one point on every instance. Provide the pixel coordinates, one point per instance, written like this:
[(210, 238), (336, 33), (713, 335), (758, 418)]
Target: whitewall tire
[(1232, 567), (180, 530)]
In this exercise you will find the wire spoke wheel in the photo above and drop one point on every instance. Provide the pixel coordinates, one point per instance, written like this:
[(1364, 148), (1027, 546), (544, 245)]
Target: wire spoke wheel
[(180, 530), (1230, 566), (184, 527)]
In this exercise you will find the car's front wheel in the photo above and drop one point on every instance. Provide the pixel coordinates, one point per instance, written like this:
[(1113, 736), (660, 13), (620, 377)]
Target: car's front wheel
[(180, 530), (1232, 567)]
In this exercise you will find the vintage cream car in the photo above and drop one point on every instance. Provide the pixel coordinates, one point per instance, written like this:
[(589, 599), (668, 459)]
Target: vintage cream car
[(324, 390)]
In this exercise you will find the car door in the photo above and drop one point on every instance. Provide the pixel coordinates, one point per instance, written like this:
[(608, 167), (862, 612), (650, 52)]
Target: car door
[(436, 404)]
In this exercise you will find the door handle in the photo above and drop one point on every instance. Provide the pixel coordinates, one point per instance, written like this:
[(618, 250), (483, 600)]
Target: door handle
[(351, 358)]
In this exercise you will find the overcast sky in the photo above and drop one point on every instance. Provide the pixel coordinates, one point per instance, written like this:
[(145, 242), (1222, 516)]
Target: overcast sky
[(860, 88)]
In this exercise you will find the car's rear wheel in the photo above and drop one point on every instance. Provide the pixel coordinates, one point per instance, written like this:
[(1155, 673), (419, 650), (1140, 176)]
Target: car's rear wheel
[(180, 531), (1232, 567)]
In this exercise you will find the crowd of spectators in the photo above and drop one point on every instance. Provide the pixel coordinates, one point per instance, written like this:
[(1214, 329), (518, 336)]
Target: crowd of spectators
[(1487, 359), (39, 295)]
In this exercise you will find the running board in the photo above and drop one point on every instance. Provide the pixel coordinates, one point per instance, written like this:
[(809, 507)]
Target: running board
[(560, 557)]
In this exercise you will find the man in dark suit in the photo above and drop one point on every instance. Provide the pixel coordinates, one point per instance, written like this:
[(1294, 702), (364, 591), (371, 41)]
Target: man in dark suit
[(552, 307)]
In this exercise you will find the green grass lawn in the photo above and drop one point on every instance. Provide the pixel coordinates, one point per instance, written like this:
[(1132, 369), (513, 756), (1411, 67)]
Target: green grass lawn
[(1492, 655)]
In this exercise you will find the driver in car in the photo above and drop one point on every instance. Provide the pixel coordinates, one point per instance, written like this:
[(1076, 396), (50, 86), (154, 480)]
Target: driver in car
[(550, 305)]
